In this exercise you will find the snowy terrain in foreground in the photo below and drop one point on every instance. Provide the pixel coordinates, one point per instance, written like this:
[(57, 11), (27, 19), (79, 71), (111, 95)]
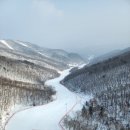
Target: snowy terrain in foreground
[(47, 117)]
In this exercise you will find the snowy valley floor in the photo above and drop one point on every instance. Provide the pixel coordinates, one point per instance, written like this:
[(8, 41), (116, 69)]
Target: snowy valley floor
[(47, 117)]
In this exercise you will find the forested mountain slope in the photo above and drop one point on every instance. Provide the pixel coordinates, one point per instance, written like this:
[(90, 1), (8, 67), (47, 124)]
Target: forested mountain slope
[(109, 82), (22, 83), (108, 55), (24, 68)]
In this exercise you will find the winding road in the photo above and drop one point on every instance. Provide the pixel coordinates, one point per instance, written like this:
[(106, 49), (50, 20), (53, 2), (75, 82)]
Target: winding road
[(49, 116)]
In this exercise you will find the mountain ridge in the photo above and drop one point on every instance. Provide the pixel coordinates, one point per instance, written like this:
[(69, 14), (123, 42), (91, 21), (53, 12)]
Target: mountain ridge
[(58, 55), (109, 83)]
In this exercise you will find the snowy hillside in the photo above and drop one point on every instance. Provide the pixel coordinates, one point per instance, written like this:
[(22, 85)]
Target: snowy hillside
[(22, 83), (109, 82), (29, 79), (24, 69), (48, 117)]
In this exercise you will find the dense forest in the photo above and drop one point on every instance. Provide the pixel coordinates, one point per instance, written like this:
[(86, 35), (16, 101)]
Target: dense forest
[(24, 70), (109, 83)]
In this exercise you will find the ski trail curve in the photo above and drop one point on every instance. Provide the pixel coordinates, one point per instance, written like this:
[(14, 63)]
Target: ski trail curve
[(46, 117)]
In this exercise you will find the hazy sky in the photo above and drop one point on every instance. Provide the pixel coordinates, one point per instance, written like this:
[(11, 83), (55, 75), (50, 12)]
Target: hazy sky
[(83, 26)]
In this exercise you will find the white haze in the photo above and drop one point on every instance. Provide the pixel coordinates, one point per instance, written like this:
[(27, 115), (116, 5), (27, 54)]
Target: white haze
[(87, 27)]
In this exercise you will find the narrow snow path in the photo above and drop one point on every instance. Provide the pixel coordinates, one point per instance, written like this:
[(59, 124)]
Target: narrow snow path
[(46, 117)]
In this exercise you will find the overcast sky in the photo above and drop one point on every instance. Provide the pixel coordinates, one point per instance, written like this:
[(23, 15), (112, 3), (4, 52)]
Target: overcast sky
[(83, 26)]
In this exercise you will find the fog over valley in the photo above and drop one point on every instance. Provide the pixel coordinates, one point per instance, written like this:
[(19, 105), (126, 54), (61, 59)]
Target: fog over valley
[(87, 27)]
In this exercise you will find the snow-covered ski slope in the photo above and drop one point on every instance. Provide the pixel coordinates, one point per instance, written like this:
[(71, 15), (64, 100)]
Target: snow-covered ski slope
[(46, 117)]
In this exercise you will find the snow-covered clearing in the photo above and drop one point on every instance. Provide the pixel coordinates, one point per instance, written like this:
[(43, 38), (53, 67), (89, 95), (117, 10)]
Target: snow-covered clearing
[(6, 44), (47, 117)]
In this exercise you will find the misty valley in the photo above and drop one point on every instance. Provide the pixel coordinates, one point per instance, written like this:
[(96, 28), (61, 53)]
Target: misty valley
[(64, 65)]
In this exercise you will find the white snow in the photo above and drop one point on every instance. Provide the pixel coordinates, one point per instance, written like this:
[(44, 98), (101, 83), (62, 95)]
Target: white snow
[(6, 44), (73, 65), (91, 58), (46, 117), (21, 43), (81, 66), (43, 54)]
